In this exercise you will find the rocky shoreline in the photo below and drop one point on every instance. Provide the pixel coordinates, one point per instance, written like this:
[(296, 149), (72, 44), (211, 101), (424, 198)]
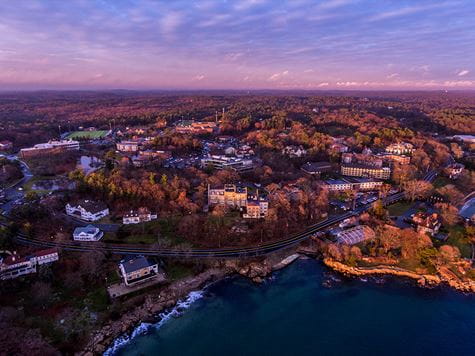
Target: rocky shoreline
[(101, 339), (256, 271), (443, 276), (154, 303)]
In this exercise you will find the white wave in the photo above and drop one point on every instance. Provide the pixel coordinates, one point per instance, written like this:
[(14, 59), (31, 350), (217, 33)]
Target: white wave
[(123, 340), (180, 307), (143, 328)]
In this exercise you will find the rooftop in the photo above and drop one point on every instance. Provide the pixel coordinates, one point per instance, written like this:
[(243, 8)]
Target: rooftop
[(89, 229), (90, 205), (135, 263)]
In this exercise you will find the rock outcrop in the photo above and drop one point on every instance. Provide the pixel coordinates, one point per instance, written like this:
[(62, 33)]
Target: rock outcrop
[(256, 271), (444, 275)]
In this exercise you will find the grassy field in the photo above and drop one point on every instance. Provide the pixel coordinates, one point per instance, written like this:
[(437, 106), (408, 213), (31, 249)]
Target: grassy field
[(90, 135), (398, 208)]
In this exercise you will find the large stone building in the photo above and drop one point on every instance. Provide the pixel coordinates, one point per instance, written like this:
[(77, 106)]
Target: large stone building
[(252, 200), (364, 165), (359, 170)]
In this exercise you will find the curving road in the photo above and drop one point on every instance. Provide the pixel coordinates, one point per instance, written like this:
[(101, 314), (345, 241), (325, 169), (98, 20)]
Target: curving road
[(261, 249)]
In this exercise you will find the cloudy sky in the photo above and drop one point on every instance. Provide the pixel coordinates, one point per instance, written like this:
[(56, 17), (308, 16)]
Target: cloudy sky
[(239, 44)]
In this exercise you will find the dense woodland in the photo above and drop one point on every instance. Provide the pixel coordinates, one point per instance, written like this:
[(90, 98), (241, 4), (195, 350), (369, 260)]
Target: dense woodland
[(43, 112)]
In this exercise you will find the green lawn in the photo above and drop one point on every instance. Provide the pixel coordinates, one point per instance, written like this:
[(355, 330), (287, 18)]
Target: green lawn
[(90, 135), (398, 208)]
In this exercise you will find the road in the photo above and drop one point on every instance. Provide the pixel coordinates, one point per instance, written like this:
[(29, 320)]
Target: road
[(257, 250), (12, 193)]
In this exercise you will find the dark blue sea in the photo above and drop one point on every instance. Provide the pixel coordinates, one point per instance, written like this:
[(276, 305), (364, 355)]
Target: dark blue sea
[(306, 309)]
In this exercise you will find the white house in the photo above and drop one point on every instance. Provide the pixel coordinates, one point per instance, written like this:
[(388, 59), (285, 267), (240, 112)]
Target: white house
[(87, 210), (137, 269), (14, 266), (137, 217), (87, 233)]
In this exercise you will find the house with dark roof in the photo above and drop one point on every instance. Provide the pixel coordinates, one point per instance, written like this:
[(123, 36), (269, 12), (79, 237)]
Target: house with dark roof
[(88, 210), (138, 269), (427, 223), (316, 168)]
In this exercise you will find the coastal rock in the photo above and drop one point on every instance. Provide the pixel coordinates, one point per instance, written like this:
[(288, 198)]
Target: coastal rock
[(254, 270), (422, 279), (152, 304)]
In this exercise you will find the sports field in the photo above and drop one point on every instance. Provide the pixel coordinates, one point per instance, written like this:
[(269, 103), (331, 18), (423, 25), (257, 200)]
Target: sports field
[(91, 135)]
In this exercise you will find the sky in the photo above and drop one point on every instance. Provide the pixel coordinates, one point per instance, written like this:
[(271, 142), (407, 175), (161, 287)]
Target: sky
[(237, 44)]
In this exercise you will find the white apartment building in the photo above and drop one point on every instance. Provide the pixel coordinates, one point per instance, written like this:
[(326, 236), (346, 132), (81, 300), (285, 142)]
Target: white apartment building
[(87, 210)]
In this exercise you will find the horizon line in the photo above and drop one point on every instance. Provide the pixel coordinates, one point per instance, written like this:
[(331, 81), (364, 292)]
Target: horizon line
[(22, 90)]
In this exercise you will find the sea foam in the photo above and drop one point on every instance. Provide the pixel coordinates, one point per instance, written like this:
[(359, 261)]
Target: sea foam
[(143, 328)]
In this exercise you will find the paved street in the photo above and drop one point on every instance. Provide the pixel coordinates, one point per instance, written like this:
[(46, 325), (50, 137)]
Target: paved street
[(12, 193)]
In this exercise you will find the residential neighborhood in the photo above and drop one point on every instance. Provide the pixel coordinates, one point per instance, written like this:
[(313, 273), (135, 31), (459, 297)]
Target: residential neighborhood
[(108, 214)]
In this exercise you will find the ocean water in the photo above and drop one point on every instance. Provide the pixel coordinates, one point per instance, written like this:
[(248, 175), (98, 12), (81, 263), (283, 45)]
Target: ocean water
[(305, 309)]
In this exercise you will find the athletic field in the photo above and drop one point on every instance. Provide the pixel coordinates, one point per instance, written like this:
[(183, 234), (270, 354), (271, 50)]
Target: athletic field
[(90, 135)]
